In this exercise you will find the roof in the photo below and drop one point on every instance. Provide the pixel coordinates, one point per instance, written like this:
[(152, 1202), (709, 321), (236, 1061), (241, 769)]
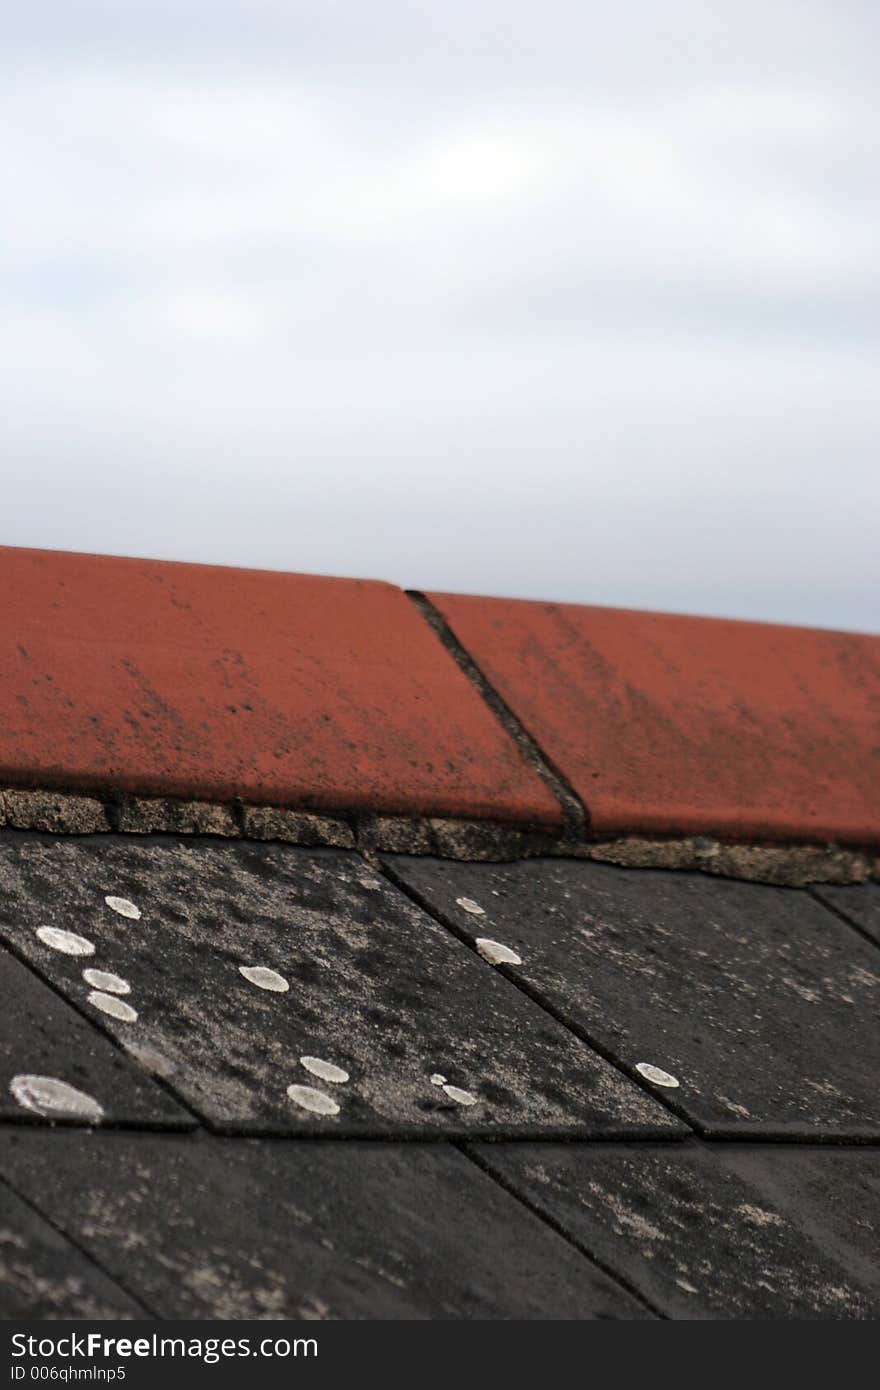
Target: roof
[(151, 695), (472, 1067)]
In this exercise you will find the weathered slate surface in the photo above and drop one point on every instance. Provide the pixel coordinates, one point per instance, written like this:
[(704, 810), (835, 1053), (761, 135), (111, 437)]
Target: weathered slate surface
[(212, 1228), (731, 1231), (759, 1000), (376, 988), (859, 902), (41, 1035), (43, 1276)]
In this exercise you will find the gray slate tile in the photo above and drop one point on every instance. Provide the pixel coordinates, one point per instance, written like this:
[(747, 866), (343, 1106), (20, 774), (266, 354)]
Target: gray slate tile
[(43, 1276), (42, 1035), (860, 903), (376, 987), (241, 1228), (759, 1000), (720, 1231)]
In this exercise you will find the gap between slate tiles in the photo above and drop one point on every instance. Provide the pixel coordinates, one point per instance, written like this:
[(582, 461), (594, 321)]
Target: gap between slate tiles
[(191, 890), (189, 1119), (141, 1308), (583, 1247), (558, 1015), (414, 1138), (469, 1152), (709, 1166), (513, 1134), (832, 904), (409, 876), (361, 1180), (178, 1117)]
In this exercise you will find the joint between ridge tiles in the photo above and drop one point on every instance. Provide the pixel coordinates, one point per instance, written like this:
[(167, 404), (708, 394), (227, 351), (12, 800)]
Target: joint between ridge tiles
[(575, 814)]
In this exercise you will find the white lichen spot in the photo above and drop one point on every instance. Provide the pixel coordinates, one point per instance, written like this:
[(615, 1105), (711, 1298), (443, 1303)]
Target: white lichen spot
[(496, 953), (327, 1071), (683, 1284), (114, 1007), (758, 1216), (310, 1099), (264, 978), (67, 942), (124, 906), (107, 983), (459, 1096), (55, 1099), (468, 905), (438, 1079), (656, 1075)]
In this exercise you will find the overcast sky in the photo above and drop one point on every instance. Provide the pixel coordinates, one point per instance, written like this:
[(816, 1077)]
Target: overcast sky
[(556, 299)]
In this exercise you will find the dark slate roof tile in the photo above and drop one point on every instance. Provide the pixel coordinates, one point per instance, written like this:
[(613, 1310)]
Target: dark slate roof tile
[(724, 1232), (758, 1000), (43, 1276), (377, 989), (860, 903), (41, 1036), (209, 1228)]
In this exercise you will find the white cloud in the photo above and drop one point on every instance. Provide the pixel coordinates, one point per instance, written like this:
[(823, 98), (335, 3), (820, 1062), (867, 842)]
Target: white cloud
[(487, 325)]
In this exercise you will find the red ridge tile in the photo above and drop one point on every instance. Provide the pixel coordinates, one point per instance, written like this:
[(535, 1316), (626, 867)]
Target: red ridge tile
[(211, 683), (680, 725)]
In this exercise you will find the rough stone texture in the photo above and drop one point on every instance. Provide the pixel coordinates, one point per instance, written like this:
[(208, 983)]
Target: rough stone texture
[(207, 1228), (758, 999), (138, 815), (295, 828), (376, 987), (41, 1035), (671, 725), (212, 684), (52, 811), (43, 1277), (452, 839), (788, 865), (732, 1232), (860, 905), (471, 841)]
